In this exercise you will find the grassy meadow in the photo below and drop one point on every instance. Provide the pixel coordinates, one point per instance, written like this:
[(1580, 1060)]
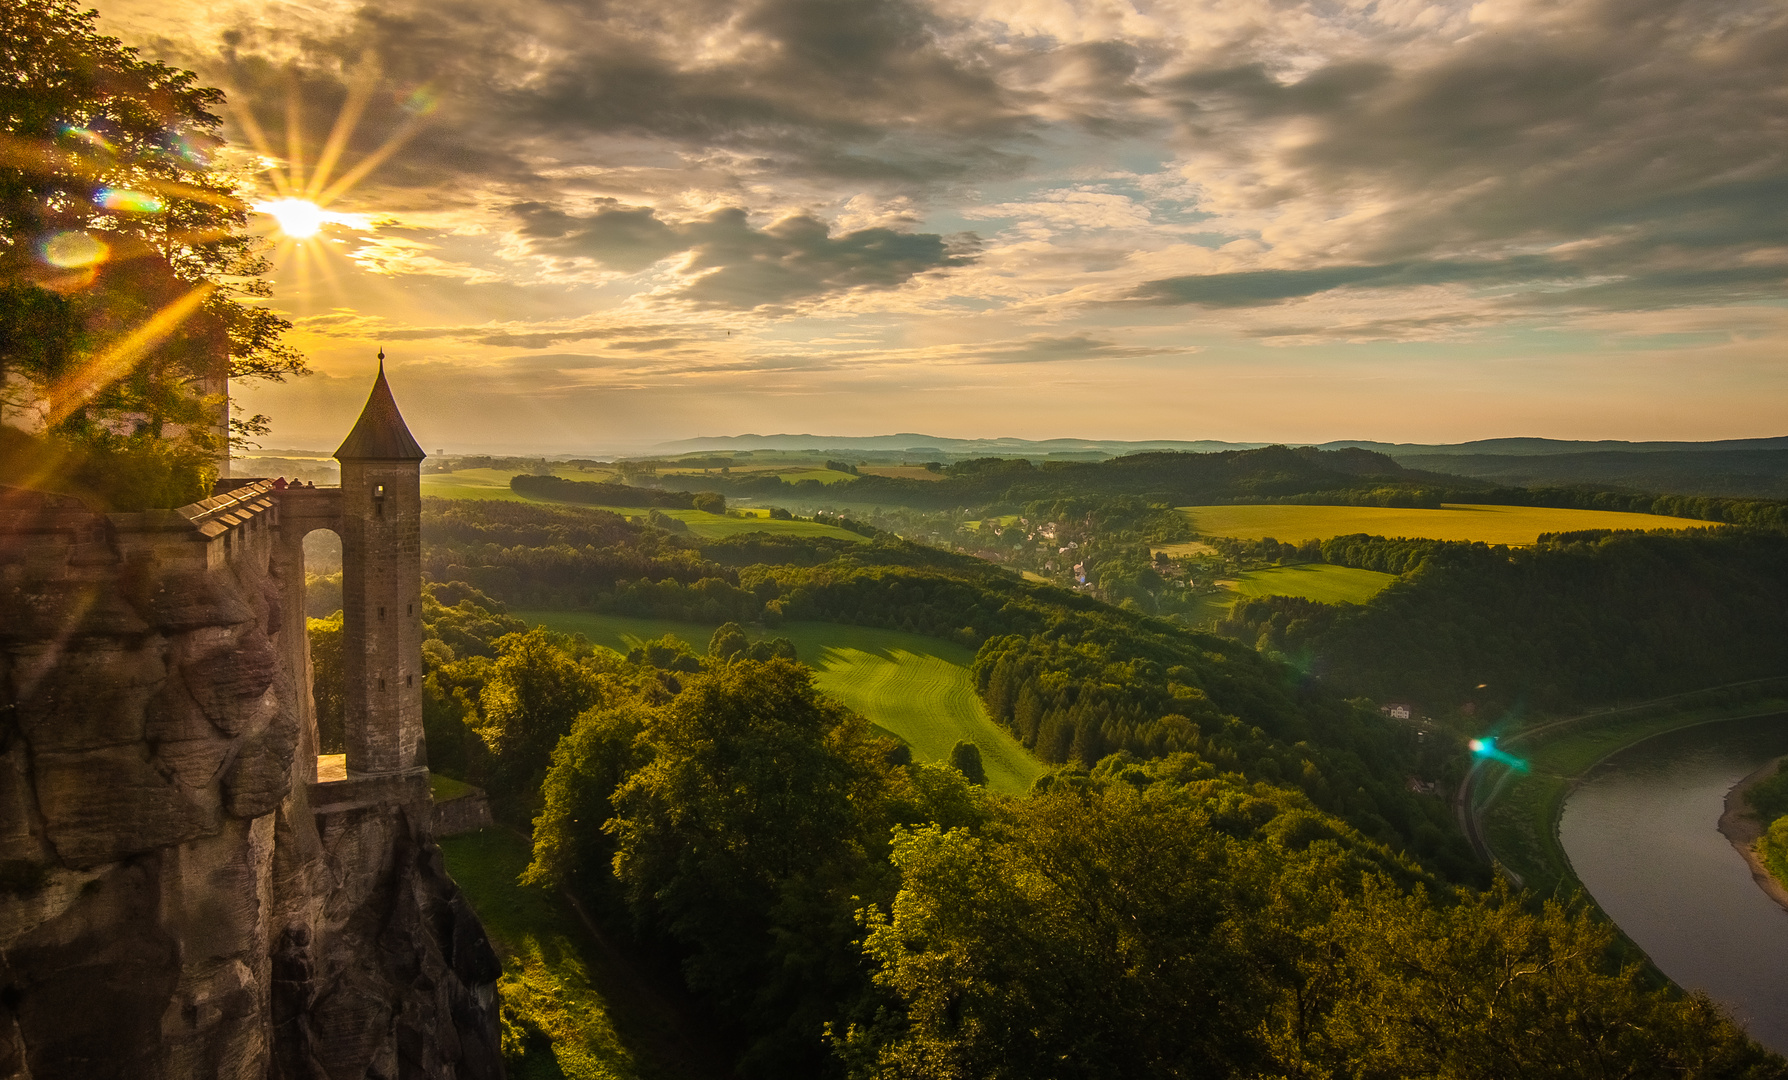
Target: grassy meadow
[(494, 483), (914, 687), (1313, 581), (1516, 526)]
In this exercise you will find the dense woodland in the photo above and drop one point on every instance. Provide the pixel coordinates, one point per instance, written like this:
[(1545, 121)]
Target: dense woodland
[(1228, 872), (1578, 620), (1269, 474)]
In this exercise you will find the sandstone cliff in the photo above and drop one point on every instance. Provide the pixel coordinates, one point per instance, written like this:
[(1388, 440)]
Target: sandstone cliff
[(178, 898)]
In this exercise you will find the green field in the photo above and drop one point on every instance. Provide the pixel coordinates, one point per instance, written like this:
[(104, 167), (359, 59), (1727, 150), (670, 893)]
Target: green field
[(1313, 581), (714, 526), (1516, 526), (583, 1011), (494, 484), (915, 687), (471, 484)]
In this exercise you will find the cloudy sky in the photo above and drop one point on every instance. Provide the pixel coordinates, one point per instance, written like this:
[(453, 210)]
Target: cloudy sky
[(579, 225)]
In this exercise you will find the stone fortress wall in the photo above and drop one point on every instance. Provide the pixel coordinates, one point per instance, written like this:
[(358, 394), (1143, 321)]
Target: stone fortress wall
[(179, 896)]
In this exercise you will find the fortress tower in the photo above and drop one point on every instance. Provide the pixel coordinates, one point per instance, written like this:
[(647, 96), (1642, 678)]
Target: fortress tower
[(381, 547)]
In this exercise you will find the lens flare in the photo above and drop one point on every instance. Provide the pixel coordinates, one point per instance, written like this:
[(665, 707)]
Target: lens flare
[(88, 136), (75, 249), (421, 101), (130, 202), (298, 218), (1487, 749)]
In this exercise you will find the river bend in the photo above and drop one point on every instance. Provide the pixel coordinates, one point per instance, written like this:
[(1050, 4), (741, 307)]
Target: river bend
[(1641, 832)]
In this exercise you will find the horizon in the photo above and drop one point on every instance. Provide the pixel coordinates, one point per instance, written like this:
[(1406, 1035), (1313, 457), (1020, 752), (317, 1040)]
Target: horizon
[(672, 447)]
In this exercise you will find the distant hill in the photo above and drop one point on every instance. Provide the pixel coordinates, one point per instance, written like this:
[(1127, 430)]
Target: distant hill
[(1349, 475), (1522, 447), (1735, 468), (918, 445), (1754, 474)]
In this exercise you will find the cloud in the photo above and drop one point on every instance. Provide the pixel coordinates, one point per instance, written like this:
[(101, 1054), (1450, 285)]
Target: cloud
[(727, 263), (1631, 142), (624, 238), (1509, 160), (1253, 288)]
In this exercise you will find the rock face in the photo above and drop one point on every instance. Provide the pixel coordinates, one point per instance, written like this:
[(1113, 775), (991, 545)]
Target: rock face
[(177, 898)]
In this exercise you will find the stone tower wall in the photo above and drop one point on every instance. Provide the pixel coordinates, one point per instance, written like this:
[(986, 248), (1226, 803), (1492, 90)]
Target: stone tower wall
[(381, 531)]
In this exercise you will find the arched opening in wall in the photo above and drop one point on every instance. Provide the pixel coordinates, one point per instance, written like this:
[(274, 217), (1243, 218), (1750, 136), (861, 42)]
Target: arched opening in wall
[(323, 619)]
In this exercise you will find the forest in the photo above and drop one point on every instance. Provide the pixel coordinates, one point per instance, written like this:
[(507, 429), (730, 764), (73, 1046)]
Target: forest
[(1232, 869), (1580, 619)]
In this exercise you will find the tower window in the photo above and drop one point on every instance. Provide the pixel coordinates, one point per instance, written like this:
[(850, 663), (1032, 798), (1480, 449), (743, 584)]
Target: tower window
[(381, 613), (381, 684), (409, 609), (409, 680), (378, 491)]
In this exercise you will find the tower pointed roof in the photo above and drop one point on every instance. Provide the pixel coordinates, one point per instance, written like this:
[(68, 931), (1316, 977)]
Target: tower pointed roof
[(380, 434)]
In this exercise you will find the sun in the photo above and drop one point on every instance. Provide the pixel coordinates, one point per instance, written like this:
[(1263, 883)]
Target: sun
[(305, 187), (299, 219)]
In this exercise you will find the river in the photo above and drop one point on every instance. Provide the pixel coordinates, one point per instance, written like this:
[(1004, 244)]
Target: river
[(1641, 831)]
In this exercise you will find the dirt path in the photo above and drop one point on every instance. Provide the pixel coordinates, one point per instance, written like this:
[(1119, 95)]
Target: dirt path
[(1742, 828)]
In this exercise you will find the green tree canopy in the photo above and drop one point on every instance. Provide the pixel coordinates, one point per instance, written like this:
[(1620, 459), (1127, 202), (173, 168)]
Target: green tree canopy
[(534, 693), (1102, 932), (125, 265), (760, 815)]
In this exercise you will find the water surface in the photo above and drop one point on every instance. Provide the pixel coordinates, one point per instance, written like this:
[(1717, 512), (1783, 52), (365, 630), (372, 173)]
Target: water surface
[(1642, 834)]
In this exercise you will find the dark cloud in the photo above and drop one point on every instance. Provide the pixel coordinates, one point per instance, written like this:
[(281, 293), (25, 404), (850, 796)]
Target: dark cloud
[(624, 238), (1603, 281), (1654, 124), (732, 264), (1254, 288), (1637, 143), (855, 89)]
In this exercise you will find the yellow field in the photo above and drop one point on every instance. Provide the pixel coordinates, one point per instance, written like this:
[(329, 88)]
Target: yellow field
[(788, 474), (902, 472), (1516, 526), (1184, 548)]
